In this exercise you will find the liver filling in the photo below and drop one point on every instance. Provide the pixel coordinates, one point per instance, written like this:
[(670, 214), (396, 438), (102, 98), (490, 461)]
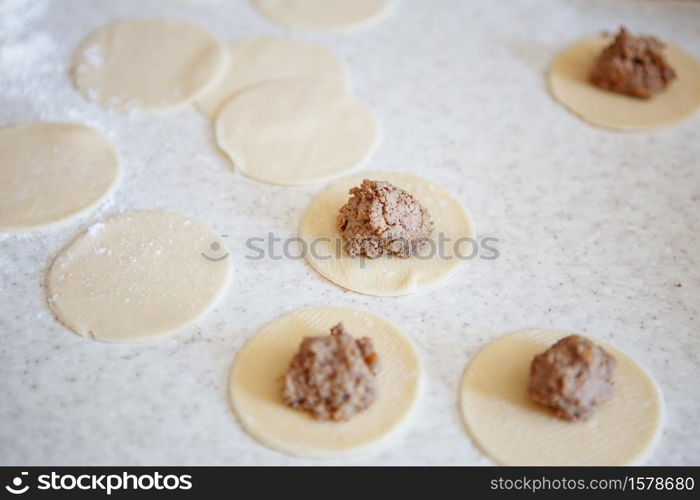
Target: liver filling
[(572, 377), (332, 376), (381, 218), (633, 65)]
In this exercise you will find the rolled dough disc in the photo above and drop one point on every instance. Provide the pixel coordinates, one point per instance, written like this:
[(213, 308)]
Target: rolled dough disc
[(147, 64), (258, 60), (138, 276), (296, 132), (256, 391), (568, 81), (322, 14), (513, 430), (51, 172), (386, 275)]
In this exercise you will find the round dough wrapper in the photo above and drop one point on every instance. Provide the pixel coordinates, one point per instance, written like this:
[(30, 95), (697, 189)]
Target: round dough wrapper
[(387, 276), (147, 64), (256, 391), (259, 60), (322, 14), (138, 276), (568, 81), (513, 430), (51, 172), (296, 132)]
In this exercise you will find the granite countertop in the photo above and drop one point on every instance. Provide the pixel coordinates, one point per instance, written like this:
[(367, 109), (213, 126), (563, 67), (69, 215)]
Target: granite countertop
[(598, 232)]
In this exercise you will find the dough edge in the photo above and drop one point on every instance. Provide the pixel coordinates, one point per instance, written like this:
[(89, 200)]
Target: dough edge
[(90, 207), (383, 11), (253, 173), (149, 109), (143, 338)]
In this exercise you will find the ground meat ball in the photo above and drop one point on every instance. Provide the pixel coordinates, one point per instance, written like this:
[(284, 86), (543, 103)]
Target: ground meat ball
[(381, 218), (633, 65), (572, 377), (332, 377)]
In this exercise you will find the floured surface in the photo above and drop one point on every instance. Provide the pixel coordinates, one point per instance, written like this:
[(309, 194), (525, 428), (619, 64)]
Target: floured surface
[(513, 430), (50, 172), (322, 14), (595, 230), (263, 59), (387, 275), (147, 64), (296, 132), (568, 81), (255, 385), (136, 277)]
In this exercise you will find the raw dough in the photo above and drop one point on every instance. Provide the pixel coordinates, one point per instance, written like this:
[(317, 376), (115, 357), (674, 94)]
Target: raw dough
[(51, 172), (296, 132), (255, 384), (147, 64), (568, 80), (322, 14), (138, 276), (386, 275), (263, 59), (513, 430)]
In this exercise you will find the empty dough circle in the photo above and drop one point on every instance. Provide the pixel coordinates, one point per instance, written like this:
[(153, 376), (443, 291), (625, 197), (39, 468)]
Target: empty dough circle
[(138, 276), (255, 389), (513, 430), (322, 14), (388, 275), (568, 81), (263, 59), (296, 132), (51, 172), (147, 64)]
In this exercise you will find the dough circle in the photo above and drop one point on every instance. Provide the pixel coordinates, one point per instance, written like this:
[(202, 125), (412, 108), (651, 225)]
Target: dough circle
[(296, 132), (513, 430), (568, 81), (322, 14), (138, 276), (387, 276), (147, 64), (263, 59), (51, 172), (255, 385)]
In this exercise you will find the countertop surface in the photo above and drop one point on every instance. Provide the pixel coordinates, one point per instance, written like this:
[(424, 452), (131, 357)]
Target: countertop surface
[(598, 232)]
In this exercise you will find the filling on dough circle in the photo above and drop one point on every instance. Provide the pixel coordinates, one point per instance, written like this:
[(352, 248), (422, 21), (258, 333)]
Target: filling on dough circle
[(147, 64), (263, 59), (51, 172), (450, 243), (256, 384), (514, 430), (138, 276), (570, 84), (322, 14)]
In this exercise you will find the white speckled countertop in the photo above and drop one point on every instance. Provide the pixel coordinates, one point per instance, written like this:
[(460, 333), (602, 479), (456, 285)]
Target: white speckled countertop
[(596, 229)]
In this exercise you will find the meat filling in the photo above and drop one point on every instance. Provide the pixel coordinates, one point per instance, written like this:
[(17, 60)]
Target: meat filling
[(572, 377), (381, 218), (332, 377), (633, 65)]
